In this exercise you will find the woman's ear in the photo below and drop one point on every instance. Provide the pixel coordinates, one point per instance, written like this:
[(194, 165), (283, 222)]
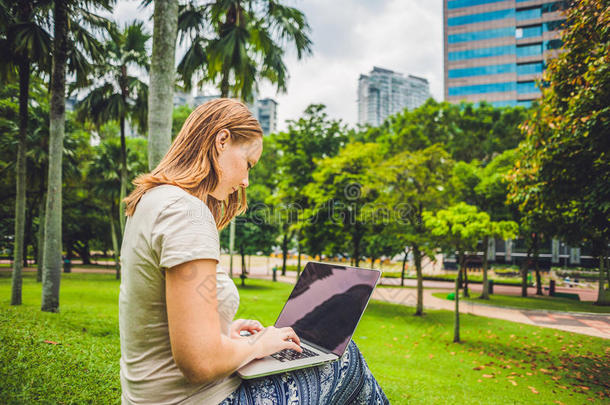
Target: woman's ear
[(223, 137)]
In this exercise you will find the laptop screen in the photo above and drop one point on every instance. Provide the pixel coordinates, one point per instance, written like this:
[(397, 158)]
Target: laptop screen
[(327, 303)]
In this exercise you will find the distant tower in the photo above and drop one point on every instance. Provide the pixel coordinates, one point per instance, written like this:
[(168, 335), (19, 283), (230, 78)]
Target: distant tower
[(384, 92), (267, 115)]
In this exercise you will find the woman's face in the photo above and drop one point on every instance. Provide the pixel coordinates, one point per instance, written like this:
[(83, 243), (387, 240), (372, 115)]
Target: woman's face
[(235, 161)]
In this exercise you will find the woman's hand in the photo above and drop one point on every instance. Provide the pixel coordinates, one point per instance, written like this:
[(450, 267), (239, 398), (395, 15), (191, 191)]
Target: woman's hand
[(272, 340), (249, 325)]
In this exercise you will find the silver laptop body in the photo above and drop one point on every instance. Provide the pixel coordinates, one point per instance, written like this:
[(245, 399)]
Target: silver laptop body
[(324, 309)]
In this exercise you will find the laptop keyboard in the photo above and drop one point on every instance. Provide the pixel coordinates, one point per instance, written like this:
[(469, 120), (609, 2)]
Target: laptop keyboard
[(289, 354)]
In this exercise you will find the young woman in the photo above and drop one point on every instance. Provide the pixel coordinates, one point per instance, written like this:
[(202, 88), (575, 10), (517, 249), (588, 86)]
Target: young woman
[(179, 342)]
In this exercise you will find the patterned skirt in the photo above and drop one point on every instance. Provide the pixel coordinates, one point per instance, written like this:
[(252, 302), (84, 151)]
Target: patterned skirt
[(347, 380)]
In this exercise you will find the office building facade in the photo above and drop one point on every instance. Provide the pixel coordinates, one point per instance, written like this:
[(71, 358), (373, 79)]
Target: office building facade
[(384, 92), (496, 50)]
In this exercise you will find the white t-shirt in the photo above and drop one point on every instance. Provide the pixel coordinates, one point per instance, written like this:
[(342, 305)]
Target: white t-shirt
[(168, 227)]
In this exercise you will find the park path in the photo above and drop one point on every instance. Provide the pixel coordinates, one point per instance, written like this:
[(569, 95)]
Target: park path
[(597, 325), (584, 323)]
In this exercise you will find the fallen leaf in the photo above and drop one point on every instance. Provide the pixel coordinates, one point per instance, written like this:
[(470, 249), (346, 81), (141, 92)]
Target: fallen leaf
[(479, 368), (51, 342), (488, 376), (513, 382), (533, 390), (431, 356)]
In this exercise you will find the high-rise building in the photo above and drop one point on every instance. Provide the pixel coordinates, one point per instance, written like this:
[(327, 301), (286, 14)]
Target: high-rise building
[(495, 50), (384, 92), (265, 110), (267, 115)]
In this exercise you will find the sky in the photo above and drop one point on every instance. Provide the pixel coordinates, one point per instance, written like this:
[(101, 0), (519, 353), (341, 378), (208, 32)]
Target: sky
[(349, 38)]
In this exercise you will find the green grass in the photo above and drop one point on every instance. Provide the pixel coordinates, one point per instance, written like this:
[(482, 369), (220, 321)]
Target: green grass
[(534, 302), (413, 358)]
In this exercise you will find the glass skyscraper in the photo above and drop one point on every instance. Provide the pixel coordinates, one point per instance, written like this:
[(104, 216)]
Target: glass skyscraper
[(495, 50), (384, 92)]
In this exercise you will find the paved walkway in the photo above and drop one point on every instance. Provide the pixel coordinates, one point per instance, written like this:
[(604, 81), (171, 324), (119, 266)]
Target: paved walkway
[(584, 323)]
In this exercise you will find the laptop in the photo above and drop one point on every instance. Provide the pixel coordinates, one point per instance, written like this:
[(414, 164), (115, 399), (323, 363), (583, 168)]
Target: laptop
[(324, 309)]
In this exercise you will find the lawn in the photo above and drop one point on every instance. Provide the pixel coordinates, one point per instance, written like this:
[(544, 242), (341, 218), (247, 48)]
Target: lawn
[(72, 357), (535, 302)]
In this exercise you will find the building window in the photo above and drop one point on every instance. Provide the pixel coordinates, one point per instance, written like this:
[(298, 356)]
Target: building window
[(482, 71), (527, 87), (483, 52), (556, 6), (482, 88), (481, 17), (529, 50), (553, 44), (529, 13), (528, 32), (529, 68), (452, 4), (481, 35), (554, 25)]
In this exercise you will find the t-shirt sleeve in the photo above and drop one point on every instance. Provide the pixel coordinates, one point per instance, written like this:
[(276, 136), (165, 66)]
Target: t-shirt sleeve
[(184, 231)]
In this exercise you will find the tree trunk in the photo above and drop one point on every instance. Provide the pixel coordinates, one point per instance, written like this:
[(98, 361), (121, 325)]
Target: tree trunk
[(40, 252), (243, 267), (404, 266), (161, 83), (603, 295), (465, 275), (456, 325), (536, 267), (284, 253), (485, 293), (20, 197), (115, 244), (123, 192), (372, 262), (299, 255), (419, 310), (524, 266), (51, 275)]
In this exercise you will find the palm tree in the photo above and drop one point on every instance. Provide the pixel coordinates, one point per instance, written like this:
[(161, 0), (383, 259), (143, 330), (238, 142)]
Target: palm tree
[(64, 56), (242, 43), (246, 44), (25, 45), (162, 77), (119, 95)]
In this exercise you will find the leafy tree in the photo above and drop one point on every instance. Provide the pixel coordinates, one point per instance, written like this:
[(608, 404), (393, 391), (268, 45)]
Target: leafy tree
[(120, 95), (466, 131), (256, 231), (104, 177), (411, 183), (486, 187), (311, 137), (565, 166), (458, 229), (179, 116), (341, 189)]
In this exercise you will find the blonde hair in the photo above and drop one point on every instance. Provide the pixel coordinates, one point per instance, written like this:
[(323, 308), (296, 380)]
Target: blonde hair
[(192, 160)]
